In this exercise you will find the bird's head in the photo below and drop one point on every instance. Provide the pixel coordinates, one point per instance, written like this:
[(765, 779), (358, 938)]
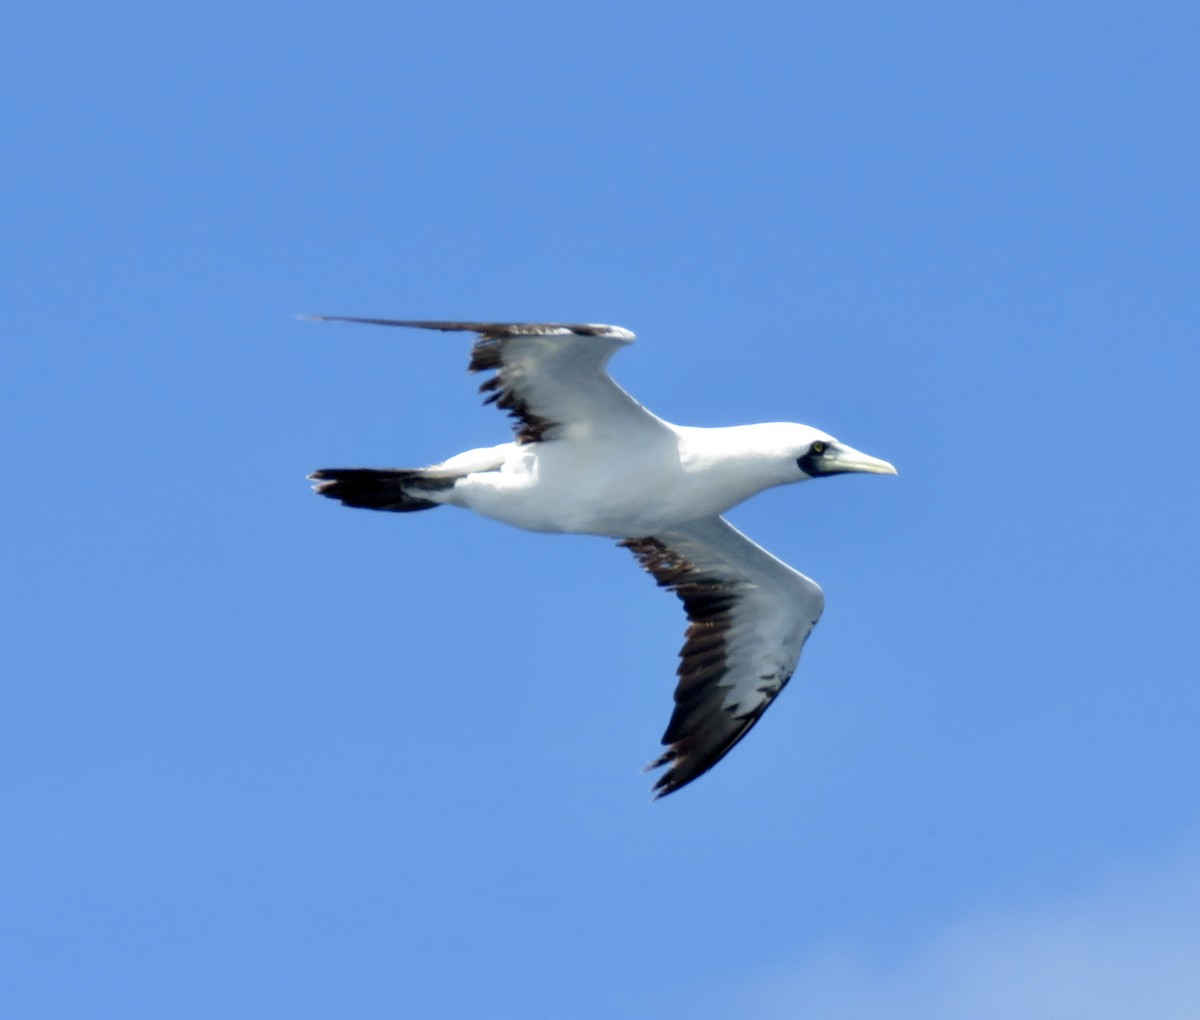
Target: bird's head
[(816, 454), (829, 457)]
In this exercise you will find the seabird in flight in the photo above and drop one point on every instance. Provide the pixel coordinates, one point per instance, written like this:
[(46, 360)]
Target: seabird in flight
[(589, 459)]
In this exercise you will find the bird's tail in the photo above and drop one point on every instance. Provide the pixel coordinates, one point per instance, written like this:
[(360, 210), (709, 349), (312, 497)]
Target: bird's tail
[(396, 490)]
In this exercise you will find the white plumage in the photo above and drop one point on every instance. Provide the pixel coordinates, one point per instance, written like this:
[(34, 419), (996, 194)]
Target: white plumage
[(588, 458)]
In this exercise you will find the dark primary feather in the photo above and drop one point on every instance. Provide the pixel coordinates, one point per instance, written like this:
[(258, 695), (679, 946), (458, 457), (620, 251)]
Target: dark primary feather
[(510, 388), (701, 731), (487, 329)]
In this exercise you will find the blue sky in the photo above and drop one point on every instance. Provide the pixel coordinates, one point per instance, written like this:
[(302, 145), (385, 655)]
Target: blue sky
[(264, 756)]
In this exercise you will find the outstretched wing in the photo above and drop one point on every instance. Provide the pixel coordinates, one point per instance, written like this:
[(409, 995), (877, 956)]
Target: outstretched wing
[(749, 615), (549, 376)]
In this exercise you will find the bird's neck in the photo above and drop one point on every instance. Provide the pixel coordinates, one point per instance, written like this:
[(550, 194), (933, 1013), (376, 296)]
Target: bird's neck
[(743, 457)]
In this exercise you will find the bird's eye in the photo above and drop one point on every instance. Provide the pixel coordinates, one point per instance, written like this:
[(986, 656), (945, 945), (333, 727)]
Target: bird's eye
[(818, 448)]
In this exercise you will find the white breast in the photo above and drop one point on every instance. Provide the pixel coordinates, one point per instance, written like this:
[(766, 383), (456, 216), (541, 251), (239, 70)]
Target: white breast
[(605, 488)]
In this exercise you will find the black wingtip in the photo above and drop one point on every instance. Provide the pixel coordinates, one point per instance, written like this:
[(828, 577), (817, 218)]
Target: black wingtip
[(308, 317), (666, 783)]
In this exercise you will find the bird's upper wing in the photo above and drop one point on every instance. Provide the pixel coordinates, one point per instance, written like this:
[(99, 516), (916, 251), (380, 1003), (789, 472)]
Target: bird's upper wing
[(749, 615), (549, 376)]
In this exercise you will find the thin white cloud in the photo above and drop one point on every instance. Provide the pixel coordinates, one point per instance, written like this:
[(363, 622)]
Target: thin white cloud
[(1128, 949)]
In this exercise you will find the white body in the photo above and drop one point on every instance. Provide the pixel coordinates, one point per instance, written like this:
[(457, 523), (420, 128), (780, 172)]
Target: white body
[(589, 459), (600, 486)]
